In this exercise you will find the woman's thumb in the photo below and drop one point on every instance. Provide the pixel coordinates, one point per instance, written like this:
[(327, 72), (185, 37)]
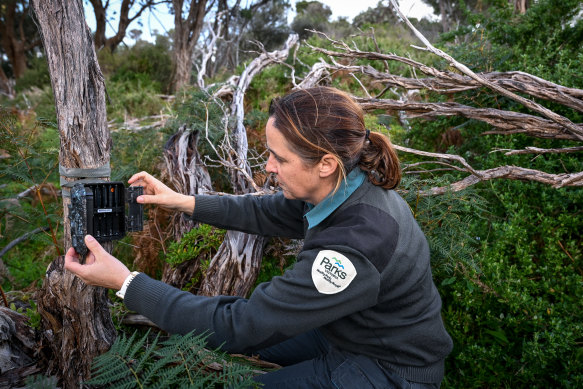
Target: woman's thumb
[(93, 245), (145, 199)]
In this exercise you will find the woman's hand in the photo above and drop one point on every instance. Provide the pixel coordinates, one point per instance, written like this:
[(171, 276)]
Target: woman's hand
[(100, 268), (155, 192)]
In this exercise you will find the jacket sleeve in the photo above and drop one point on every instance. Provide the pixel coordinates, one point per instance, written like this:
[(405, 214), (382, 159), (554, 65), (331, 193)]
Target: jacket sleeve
[(277, 310), (268, 215)]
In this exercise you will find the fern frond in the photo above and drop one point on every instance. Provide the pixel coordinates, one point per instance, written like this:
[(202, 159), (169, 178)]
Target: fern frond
[(178, 362)]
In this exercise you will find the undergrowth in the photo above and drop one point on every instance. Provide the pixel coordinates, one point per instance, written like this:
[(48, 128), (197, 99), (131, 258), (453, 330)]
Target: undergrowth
[(177, 362)]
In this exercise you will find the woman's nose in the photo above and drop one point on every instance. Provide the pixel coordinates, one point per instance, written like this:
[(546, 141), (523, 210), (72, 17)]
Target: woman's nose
[(270, 165)]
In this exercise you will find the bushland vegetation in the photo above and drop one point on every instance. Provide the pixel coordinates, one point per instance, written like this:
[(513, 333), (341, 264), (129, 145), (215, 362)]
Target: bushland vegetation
[(507, 254)]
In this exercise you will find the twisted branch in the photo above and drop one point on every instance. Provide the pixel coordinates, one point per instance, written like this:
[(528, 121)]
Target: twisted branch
[(561, 120)]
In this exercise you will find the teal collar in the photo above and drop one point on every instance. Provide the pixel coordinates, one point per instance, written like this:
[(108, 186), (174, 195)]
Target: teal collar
[(318, 213)]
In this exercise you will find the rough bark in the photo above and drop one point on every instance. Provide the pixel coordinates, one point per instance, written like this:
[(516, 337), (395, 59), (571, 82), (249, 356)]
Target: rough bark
[(507, 122), (448, 82), (315, 76), (184, 171), (555, 117), (76, 322), (17, 348)]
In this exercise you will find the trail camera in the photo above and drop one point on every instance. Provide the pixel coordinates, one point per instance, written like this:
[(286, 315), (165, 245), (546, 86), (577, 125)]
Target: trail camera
[(99, 209)]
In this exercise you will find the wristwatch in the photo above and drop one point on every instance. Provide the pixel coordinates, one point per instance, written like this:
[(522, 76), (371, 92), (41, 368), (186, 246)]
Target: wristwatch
[(122, 292)]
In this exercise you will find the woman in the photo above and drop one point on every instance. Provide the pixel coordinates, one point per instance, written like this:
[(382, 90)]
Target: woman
[(359, 308)]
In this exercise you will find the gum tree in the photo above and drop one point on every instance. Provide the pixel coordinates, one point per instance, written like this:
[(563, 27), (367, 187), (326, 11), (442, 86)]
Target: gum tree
[(76, 323)]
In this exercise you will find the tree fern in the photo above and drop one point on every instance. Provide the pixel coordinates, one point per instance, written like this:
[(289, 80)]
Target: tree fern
[(178, 362)]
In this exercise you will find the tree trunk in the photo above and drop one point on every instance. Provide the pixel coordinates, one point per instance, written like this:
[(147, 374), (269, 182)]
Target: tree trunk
[(235, 267), (443, 15), (6, 86), (13, 47), (100, 23), (17, 348), (76, 322), (186, 173), (186, 33), (520, 6)]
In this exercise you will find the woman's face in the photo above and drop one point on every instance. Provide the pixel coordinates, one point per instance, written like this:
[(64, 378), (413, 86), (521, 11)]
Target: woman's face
[(296, 179)]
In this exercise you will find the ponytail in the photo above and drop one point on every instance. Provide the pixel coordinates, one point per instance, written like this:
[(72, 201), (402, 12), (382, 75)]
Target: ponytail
[(379, 160)]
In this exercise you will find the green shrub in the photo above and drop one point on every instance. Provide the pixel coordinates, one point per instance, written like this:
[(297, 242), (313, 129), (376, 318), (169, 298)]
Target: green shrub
[(147, 60), (37, 75), (515, 318), (133, 97), (31, 149), (199, 243), (135, 151)]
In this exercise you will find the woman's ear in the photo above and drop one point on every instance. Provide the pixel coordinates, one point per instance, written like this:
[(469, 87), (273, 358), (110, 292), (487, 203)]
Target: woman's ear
[(328, 165)]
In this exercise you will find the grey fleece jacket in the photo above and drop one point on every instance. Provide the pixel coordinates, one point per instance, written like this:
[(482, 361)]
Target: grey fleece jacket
[(363, 278)]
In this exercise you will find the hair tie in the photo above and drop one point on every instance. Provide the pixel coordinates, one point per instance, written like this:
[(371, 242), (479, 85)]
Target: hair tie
[(366, 136)]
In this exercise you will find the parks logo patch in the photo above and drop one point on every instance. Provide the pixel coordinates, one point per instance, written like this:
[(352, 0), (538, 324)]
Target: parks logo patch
[(332, 272)]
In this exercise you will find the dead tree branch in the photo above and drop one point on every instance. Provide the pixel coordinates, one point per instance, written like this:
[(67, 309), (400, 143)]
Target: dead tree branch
[(561, 120), (208, 50), (447, 82), (317, 73), (236, 265), (509, 172), (508, 84), (508, 122), (239, 134), (536, 150)]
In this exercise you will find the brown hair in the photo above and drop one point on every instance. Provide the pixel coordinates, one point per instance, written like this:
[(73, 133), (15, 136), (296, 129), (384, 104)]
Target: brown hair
[(324, 120)]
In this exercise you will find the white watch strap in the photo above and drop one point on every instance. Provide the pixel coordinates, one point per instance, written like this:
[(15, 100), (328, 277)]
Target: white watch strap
[(122, 292)]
